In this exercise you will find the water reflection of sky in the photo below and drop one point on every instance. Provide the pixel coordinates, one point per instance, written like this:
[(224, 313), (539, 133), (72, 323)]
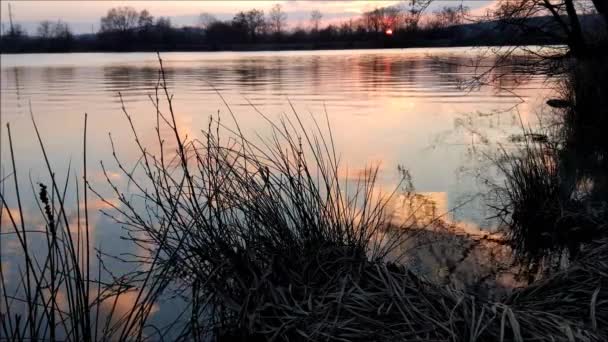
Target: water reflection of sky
[(389, 108), (386, 108)]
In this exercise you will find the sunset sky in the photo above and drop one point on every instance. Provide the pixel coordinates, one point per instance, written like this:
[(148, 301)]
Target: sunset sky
[(83, 16)]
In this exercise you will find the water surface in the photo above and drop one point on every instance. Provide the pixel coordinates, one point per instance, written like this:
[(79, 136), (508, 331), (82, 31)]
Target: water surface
[(385, 107)]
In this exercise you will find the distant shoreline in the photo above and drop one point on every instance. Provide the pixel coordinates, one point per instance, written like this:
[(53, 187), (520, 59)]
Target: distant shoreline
[(274, 47)]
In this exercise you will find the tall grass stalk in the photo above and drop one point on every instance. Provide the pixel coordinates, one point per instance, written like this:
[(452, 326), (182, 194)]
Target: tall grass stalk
[(55, 297)]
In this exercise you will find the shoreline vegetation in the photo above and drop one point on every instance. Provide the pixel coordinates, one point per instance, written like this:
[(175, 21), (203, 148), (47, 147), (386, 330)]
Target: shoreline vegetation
[(125, 29), (262, 238)]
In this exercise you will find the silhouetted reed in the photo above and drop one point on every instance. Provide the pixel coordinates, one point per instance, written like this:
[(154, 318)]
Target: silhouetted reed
[(268, 242), (55, 295), (554, 198)]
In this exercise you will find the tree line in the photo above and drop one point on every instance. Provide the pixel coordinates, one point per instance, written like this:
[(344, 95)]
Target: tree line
[(410, 24)]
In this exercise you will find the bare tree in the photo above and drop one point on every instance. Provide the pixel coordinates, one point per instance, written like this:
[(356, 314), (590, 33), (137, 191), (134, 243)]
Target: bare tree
[(252, 22), (145, 19), (390, 17), (44, 29), (372, 20), (257, 23), (163, 23), (53, 30), (205, 20), (414, 12), (449, 16), (315, 20), (61, 30), (564, 26), (278, 19), (382, 19), (347, 28), (121, 19)]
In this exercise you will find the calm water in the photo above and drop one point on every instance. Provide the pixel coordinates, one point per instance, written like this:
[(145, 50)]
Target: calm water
[(386, 108)]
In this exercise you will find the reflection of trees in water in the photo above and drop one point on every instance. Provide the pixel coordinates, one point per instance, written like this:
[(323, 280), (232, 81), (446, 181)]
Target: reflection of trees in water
[(255, 74), (500, 73), (448, 70), (379, 70), (128, 78), (583, 153), (17, 71), (53, 75), (452, 72), (555, 201), (315, 73), (506, 79)]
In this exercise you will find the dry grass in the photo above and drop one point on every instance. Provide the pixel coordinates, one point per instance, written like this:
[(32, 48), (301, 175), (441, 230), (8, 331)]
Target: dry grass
[(270, 243), (54, 291)]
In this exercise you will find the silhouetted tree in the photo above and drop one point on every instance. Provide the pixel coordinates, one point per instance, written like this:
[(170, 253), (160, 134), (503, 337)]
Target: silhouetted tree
[(278, 19), (415, 10), (328, 34), (145, 20), (121, 19), (53, 30), (16, 31), (346, 29), (252, 22), (146, 29), (164, 31), (315, 20), (564, 25), (372, 21), (54, 36), (124, 28), (163, 23), (61, 30), (220, 33), (205, 20), (449, 16), (44, 29), (381, 19)]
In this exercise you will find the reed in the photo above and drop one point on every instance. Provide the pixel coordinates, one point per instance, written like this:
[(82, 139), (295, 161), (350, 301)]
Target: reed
[(553, 200), (54, 295), (269, 243)]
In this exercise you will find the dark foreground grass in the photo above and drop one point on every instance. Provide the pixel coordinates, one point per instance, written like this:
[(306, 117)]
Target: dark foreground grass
[(555, 199), (266, 241), (54, 294)]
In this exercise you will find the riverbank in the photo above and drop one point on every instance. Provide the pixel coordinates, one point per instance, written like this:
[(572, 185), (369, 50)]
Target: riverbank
[(195, 39)]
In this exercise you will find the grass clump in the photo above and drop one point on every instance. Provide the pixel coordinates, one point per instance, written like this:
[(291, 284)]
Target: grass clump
[(554, 198), (259, 234), (533, 203), (269, 243)]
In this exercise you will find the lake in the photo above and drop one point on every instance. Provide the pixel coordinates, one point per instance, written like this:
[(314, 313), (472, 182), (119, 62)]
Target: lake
[(386, 108)]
